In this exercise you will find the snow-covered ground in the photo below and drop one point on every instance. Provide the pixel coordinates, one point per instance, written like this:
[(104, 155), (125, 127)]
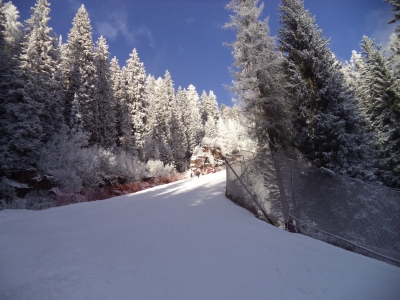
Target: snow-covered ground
[(179, 241)]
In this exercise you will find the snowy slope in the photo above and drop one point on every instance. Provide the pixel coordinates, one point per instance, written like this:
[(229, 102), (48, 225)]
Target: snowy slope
[(180, 241)]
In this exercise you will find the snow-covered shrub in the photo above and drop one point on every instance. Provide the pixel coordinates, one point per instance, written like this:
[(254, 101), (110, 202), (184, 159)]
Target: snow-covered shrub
[(128, 166), (73, 165), (157, 168), (66, 160)]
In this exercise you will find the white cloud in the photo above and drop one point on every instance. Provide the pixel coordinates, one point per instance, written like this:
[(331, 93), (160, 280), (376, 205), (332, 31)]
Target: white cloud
[(378, 27), (75, 4), (190, 20), (143, 30), (107, 30), (117, 24)]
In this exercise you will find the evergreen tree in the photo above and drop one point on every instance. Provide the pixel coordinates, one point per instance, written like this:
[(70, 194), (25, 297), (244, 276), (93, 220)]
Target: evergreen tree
[(395, 8), (118, 94), (160, 107), (178, 142), (135, 100), (124, 116), (327, 124), (258, 76), (152, 104), (203, 107), (191, 117), (394, 43), (170, 92), (104, 95), (209, 106), (4, 72), (379, 91), (80, 74), (13, 33), (161, 104), (35, 112), (166, 155), (75, 122), (213, 109), (210, 128)]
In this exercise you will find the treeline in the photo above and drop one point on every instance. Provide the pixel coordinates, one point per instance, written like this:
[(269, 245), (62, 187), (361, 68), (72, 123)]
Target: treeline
[(306, 104), (73, 116)]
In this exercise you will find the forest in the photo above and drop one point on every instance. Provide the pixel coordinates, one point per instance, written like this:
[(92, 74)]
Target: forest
[(306, 104), (73, 117)]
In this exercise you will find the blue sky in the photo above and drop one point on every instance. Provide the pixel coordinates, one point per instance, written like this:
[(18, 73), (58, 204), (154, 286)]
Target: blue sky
[(185, 36)]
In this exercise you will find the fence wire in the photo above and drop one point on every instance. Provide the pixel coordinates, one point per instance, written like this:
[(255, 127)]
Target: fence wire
[(354, 215)]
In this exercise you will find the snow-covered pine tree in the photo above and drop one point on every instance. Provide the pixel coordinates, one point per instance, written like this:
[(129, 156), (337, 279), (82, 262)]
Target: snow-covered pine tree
[(36, 113), (160, 106), (124, 116), (351, 72), (379, 91), (118, 93), (394, 43), (4, 71), (13, 32), (178, 141), (135, 100), (104, 95), (170, 92), (79, 73), (213, 110), (327, 124), (395, 8), (182, 104), (166, 155), (203, 107), (75, 122), (258, 76), (209, 106), (210, 128), (165, 102), (191, 117), (152, 104)]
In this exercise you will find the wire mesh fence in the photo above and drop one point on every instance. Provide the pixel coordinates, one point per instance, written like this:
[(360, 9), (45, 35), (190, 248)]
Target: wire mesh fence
[(354, 215)]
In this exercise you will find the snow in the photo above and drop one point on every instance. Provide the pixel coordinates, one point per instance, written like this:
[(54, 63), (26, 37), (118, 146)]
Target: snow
[(184, 240)]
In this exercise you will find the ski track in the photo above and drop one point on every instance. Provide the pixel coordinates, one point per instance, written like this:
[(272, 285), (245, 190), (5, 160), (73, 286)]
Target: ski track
[(183, 240)]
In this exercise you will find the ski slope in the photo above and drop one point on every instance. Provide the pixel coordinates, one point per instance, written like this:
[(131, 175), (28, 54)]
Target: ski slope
[(179, 241)]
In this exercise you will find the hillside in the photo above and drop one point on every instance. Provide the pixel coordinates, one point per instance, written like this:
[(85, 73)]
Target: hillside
[(183, 240)]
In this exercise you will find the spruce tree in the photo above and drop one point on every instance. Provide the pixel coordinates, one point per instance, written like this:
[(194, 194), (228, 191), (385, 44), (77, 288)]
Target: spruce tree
[(327, 123), (13, 32), (395, 8), (166, 155), (135, 100), (191, 117), (35, 110), (124, 116), (104, 95), (79, 73), (152, 104), (118, 95), (258, 76), (209, 106), (379, 91), (178, 142), (4, 72)]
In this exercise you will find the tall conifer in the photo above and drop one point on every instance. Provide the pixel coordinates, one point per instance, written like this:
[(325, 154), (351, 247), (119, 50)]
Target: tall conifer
[(327, 123)]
